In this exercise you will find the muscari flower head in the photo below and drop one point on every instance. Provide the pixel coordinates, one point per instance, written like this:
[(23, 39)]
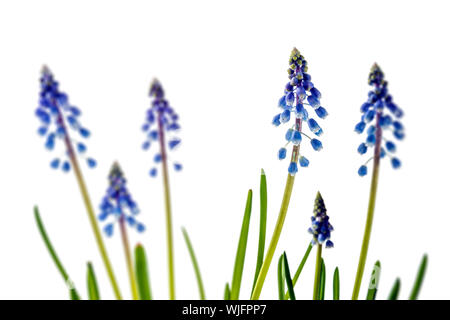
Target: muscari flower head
[(321, 227), (376, 120), (161, 119), (118, 203), (56, 115), (299, 93)]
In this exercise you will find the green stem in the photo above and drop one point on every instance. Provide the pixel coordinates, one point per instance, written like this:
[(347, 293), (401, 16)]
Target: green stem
[(168, 209), (280, 221), (90, 211), (128, 259), (318, 272), (73, 292), (300, 268), (370, 211)]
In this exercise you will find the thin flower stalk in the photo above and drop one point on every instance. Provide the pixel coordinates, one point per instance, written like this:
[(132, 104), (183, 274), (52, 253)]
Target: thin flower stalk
[(165, 119), (374, 109), (321, 232), (119, 206), (299, 92), (53, 112)]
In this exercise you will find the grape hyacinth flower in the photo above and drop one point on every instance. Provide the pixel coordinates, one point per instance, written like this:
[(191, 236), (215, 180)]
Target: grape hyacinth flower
[(320, 230), (120, 206), (161, 123), (160, 126), (299, 93), (56, 116), (380, 115)]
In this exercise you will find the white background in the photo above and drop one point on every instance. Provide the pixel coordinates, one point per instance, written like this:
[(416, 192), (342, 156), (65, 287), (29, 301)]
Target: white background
[(223, 65)]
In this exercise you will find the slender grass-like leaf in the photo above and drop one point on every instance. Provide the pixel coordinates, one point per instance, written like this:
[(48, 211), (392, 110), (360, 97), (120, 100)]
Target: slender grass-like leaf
[(393, 295), (374, 281), (275, 237), (322, 281), (226, 295), (336, 284), (93, 292), (141, 270), (194, 264), (299, 269), (72, 291), (281, 278), (287, 274), (262, 225), (419, 278), (242, 247)]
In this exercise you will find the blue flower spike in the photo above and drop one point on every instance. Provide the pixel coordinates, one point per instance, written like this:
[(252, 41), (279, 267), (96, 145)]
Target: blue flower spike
[(379, 115), (57, 116), (299, 93), (117, 204), (321, 232), (60, 121), (320, 225), (161, 116)]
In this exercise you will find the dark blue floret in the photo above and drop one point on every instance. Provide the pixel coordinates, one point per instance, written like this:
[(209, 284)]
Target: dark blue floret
[(316, 144), (362, 171), (395, 163), (293, 168), (282, 153)]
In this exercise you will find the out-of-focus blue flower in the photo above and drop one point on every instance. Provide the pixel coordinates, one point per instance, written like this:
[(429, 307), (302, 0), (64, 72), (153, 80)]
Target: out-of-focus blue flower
[(320, 225), (298, 93), (385, 115), (56, 115), (118, 204), (162, 119), (362, 171)]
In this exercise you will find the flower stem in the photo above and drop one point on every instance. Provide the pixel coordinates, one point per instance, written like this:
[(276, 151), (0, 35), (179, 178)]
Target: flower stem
[(280, 221), (168, 209), (126, 247), (90, 211), (318, 271), (370, 210)]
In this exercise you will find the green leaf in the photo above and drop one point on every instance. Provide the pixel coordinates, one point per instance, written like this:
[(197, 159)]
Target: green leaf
[(227, 293), (419, 278), (287, 274), (281, 278), (72, 291), (242, 247), (194, 264), (322, 281), (299, 269), (93, 292), (262, 225), (336, 284), (141, 270), (395, 290), (374, 281)]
